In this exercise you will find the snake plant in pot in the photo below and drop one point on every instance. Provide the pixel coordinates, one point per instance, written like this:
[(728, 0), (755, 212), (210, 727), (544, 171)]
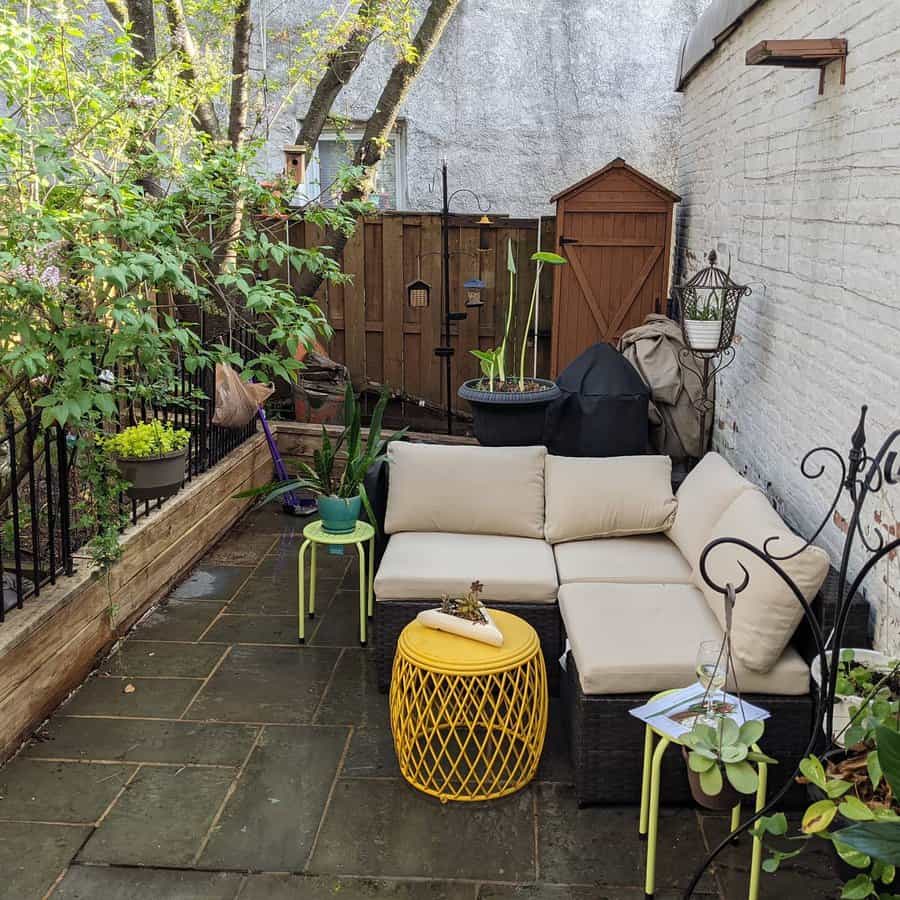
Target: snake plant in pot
[(339, 467)]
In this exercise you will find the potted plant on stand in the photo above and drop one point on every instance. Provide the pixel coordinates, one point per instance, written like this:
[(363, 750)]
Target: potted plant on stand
[(508, 409), (340, 492), (151, 457), (703, 314)]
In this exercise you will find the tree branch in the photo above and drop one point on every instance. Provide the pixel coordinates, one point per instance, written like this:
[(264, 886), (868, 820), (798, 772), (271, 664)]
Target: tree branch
[(240, 74)]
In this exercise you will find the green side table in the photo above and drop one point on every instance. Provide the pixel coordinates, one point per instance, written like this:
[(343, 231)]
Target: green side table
[(314, 535), (649, 822)]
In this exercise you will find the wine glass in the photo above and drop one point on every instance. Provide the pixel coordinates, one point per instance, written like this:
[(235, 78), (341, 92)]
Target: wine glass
[(712, 673)]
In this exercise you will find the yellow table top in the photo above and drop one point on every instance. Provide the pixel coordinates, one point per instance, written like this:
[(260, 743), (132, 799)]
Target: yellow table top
[(315, 532), (439, 651)]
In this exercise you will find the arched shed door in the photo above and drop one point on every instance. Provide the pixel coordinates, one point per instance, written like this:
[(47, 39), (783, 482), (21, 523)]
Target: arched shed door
[(615, 230)]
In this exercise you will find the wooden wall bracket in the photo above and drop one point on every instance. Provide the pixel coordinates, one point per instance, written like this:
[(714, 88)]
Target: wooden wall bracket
[(801, 54)]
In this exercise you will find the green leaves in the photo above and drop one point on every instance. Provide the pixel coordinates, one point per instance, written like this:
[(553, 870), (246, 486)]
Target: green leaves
[(546, 257), (888, 743), (818, 816)]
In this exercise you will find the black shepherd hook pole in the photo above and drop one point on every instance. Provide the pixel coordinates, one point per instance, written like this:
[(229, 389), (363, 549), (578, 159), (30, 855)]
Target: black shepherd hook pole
[(860, 476)]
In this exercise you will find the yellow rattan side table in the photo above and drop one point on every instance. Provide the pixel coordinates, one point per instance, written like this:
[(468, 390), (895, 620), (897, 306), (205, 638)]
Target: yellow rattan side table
[(469, 719)]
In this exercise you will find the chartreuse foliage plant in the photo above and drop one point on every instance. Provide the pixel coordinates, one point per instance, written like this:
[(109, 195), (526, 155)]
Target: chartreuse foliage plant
[(147, 440)]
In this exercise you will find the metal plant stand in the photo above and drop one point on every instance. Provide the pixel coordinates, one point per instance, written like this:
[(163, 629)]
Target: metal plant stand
[(704, 366), (861, 475)]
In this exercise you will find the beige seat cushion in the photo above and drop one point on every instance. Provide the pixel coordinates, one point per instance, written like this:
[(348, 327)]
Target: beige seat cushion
[(423, 566), (593, 497), (767, 613), (466, 490), (639, 558), (703, 496), (631, 639)]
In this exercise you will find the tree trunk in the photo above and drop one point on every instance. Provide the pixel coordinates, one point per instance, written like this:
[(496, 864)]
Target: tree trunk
[(143, 30), (382, 121), (240, 74), (342, 63)]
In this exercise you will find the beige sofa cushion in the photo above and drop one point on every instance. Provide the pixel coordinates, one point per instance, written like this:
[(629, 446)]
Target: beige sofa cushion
[(425, 565), (639, 558), (466, 490), (709, 489), (631, 639), (606, 497), (767, 613)]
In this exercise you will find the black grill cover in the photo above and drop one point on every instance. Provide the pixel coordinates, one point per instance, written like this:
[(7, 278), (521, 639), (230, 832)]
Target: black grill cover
[(603, 409)]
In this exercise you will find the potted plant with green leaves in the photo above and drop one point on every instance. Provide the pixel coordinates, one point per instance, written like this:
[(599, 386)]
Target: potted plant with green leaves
[(703, 313), (508, 408), (151, 457), (336, 476), (720, 760)]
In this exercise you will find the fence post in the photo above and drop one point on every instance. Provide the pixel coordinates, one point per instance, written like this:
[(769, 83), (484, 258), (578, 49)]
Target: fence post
[(65, 530), (14, 497)]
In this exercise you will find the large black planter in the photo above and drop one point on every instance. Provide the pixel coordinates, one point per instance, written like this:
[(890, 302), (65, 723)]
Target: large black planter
[(509, 418), (153, 477)]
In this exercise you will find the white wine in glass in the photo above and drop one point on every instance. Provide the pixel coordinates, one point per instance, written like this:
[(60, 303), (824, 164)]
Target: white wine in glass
[(712, 672)]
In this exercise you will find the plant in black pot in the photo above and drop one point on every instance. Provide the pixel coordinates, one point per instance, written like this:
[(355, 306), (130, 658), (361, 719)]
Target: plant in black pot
[(151, 457), (508, 409), (336, 476)]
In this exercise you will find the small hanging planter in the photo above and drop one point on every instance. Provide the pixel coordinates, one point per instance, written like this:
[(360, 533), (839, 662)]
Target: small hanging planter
[(703, 334), (151, 457)]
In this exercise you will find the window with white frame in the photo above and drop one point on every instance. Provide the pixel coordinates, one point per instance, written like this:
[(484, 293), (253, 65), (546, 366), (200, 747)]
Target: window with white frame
[(336, 149)]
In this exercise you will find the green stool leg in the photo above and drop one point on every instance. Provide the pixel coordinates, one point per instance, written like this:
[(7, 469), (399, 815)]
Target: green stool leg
[(362, 594), (301, 558), (371, 577), (645, 780), (653, 832), (756, 856), (312, 580)]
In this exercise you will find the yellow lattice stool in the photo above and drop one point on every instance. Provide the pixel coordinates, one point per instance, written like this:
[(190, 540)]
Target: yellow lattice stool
[(469, 719)]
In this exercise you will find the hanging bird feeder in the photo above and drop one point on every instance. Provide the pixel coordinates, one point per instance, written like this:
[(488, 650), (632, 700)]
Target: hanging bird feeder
[(473, 288), (418, 293)]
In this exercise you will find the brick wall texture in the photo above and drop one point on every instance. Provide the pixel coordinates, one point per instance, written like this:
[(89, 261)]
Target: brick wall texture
[(802, 192)]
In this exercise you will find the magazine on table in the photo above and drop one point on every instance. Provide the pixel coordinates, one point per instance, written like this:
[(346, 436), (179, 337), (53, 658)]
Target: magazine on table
[(674, 714)]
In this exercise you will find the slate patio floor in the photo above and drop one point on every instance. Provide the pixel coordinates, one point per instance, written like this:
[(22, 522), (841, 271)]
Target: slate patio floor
[(212, 758)]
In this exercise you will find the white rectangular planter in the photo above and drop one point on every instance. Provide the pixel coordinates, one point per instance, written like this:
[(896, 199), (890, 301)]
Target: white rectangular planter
[(486, 633)]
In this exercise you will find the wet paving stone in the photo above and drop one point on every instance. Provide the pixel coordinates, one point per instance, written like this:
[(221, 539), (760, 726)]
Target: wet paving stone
[(385, 828), (555, 763), (338, 626), (601, 845), (278, 595), (177, 620), (242, 547), (110, 883), (271, 820), (305, 887), (573, 892), (352, 697), (32, 857), (58, 792), (371, 754), (161, 818), (266, 684), (134, 740), (211, 582), (153, 658), (254, 629), (162, 698)]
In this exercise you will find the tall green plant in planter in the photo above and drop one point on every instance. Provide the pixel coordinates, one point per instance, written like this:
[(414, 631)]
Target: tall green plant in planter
[(341, 492), (508, 409)]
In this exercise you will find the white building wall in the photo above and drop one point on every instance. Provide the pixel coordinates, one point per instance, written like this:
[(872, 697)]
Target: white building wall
[(803, 191)]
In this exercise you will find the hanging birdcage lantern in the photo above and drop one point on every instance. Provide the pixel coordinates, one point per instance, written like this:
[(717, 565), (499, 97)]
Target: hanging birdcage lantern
[(708, 307), (418, 293), (473, 288)]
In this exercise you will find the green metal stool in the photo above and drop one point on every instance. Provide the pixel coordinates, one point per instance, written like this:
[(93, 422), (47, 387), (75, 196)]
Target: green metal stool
[(649, 822), (314, 535)]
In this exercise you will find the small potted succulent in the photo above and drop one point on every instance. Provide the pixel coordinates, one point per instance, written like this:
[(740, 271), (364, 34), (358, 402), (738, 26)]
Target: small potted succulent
[(465, 616), (151, 457), (339, 468), (720, 758), (508, 409)]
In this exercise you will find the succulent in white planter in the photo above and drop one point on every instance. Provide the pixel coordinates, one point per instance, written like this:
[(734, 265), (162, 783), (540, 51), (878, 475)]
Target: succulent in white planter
[(465, 616)]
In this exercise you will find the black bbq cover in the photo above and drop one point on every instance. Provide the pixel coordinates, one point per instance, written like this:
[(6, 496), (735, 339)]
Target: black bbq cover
[(603, 408)]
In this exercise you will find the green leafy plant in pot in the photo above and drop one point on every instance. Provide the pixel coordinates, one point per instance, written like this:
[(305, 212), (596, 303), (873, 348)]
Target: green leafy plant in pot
[(341, 491), (508, 409), (720, 761), (151, 457)]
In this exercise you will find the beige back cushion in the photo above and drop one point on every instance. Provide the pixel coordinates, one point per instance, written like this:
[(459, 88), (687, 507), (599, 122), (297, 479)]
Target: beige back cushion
[(591, 497), (703, 496), (469, 490), (767, 612)]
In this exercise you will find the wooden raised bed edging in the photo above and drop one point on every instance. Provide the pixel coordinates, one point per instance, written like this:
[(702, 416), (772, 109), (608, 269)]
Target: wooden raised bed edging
[(51, 645)]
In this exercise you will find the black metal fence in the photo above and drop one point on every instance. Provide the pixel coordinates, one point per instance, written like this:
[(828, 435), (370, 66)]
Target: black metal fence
[(42, 492)]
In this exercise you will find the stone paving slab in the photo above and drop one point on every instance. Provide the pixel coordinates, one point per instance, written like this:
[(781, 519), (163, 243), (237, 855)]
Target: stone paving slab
[(266, 684), (338, 626), (385, 828), (155, 658), (240, 548), (299, 887), (137, 740), (573, 892), (160, 698), (109, 883), (270, 595), (161, 819), (33, 856), (36, 791), (352, 697), (271, 820), (212, 582), (253, 629), (177, 620), (371, 754)]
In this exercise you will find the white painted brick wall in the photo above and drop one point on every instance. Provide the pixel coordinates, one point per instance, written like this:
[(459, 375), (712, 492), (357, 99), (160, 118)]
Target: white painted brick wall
[(804, 192)]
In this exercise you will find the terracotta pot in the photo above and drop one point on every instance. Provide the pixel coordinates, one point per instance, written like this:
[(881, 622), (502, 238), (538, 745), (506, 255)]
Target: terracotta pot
[(153, 477), (724, 801)]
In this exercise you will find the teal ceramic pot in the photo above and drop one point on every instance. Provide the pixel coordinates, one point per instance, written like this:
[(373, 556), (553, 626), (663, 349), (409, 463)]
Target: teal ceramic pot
[(339, 514)]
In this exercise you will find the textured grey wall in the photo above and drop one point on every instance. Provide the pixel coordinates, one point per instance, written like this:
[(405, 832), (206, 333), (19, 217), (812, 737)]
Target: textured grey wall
[(524, 97), (803, 191)]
